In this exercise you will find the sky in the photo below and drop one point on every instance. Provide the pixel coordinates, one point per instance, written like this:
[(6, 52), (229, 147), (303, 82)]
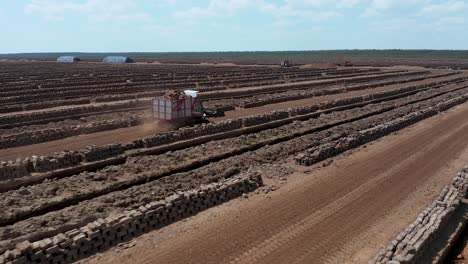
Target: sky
[(230, 25)]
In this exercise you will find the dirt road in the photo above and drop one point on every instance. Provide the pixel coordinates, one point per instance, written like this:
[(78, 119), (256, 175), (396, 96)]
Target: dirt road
[(338, 214)]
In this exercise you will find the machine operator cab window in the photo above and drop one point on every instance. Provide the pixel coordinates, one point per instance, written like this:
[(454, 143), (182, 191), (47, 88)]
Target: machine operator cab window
[(197, 106)]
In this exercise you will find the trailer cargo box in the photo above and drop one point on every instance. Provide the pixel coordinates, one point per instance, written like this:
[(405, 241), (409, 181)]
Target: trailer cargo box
[(173, 109)]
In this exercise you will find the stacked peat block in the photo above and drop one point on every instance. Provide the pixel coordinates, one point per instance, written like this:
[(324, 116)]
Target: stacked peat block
[(210, 128), (333, 91), (327, 150), (56, 161), (412, 243), (264, 118), (111, 98), (338, 146), (302, 110), (42, 105), (39, 136), (104, 233), (107, 125), (36, 164), (276, 115), (11, 108), (313, 93), (274, 100), (94, 153), (340, 102), (14, 169), (59, 113), (190, 132)]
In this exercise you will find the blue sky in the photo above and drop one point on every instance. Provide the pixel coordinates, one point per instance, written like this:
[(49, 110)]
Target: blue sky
[(230, 25)]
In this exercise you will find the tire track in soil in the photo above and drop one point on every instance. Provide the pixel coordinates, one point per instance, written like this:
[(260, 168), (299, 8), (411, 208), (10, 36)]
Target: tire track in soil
[(258, 226)]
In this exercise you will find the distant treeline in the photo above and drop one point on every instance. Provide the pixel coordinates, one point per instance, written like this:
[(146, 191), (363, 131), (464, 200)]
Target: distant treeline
[(322, 54)]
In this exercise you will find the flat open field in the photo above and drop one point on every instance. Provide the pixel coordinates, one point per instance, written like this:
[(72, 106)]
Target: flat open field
[(308, 165)]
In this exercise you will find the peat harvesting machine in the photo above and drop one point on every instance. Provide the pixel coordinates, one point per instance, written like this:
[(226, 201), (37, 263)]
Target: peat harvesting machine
[(181, 108), (285, 64)]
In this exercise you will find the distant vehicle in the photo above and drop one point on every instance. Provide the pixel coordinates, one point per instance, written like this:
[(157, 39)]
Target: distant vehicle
[(117, 59), (68, 59), (343, 62), (285, 64), (181, 108)]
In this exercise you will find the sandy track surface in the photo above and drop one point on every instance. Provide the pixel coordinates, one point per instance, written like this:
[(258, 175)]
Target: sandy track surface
[(129, 134), (337, 214)]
